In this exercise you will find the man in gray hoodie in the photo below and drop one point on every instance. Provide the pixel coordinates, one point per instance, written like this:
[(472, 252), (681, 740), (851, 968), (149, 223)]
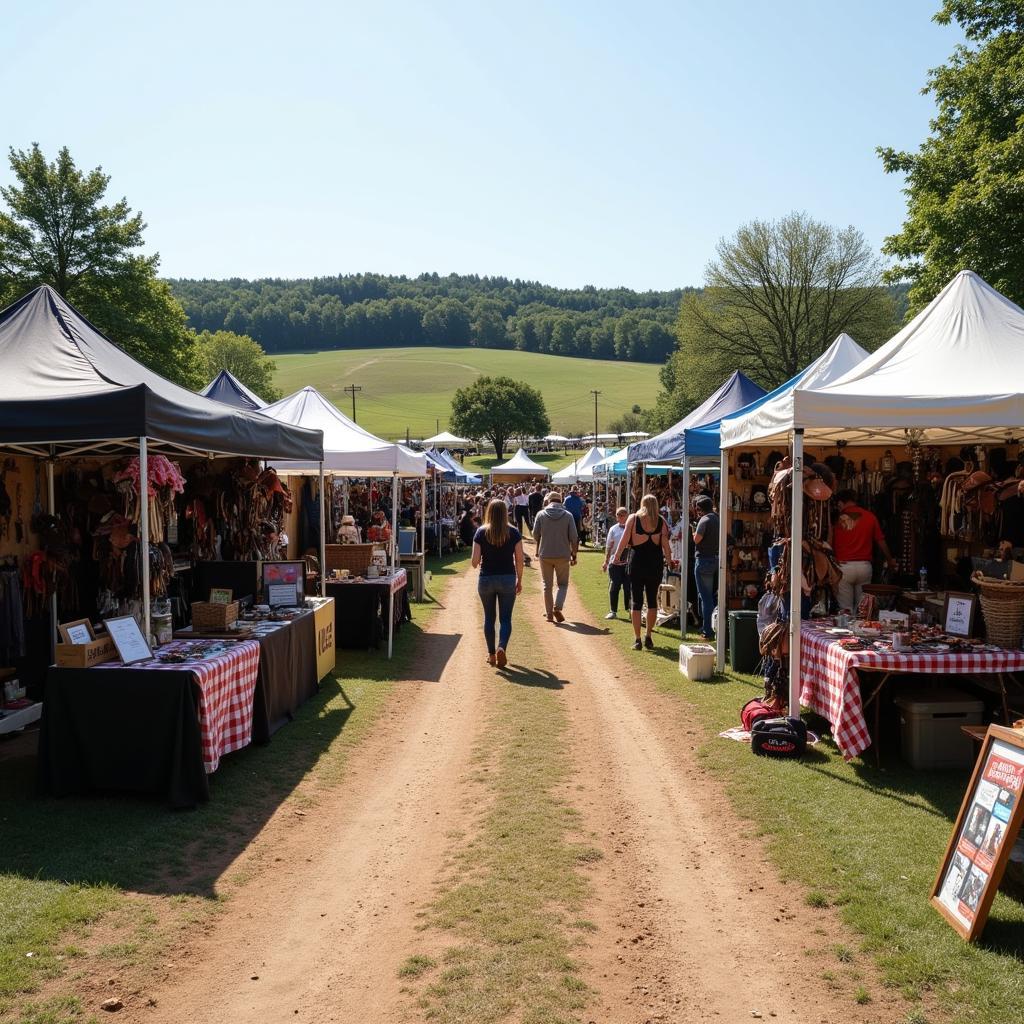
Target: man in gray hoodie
[(554, 531)]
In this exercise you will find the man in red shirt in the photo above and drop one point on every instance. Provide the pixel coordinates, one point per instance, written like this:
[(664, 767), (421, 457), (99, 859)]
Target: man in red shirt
[(853, 539)]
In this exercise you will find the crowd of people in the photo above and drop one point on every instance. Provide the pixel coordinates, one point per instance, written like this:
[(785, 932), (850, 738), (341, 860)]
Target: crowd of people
[(638, 547)]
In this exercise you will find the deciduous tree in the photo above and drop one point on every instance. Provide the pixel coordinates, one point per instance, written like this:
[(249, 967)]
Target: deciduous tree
[(499, 408), (240, 356)]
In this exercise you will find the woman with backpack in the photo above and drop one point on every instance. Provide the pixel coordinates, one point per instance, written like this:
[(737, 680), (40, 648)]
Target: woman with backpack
[(646, 540), (498, 551)]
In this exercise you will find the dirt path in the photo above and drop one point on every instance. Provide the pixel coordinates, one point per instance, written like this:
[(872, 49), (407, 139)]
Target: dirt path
[(693, 925), (317, 936)]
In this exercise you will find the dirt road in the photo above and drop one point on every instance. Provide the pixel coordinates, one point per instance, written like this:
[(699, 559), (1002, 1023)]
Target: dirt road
[(692, 925)]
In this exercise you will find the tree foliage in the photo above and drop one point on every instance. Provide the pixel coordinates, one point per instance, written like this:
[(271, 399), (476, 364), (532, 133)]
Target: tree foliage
[(239, 355), (776, 296), (499, 408), (363, 310), (56, 230), (965, 184)]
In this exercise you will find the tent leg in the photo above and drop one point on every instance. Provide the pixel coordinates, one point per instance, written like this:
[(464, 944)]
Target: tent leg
[(391, 620), (723, 561), (423, 518), (394, 522), (796, 546), (325, 511), (684, 553), (144, 532), (51, 508)]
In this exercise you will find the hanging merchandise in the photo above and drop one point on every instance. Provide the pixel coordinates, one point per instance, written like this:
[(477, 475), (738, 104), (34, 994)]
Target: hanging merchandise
[(12, 619)]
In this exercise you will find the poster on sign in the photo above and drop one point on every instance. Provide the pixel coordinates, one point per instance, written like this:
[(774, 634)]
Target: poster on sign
[(984, 834)]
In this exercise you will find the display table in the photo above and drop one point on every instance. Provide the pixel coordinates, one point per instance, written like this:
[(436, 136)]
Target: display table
[(830, 679), (367, 610), (151, 727)]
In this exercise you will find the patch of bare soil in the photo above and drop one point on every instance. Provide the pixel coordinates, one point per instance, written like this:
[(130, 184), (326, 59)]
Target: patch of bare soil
[(693, 923)]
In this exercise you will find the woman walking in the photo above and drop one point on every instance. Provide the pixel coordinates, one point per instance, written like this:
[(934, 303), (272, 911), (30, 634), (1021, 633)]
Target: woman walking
[(498, 551), (647, 534)]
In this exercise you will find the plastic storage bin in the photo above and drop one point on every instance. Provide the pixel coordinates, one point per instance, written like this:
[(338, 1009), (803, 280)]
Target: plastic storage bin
[(697, 661), (744, 652), (406, 541), (930, 720)]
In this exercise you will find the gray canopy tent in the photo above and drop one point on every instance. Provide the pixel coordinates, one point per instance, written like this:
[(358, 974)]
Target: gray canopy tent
[(67, 390)]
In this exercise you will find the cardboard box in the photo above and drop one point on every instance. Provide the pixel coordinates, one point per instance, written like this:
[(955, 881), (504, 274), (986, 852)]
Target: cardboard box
[(95, 652)]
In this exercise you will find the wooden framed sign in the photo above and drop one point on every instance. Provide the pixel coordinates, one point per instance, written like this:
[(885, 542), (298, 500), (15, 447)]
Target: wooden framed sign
[(128, 639), (77, 632), (221, 595), (958, 614), (984, 834)]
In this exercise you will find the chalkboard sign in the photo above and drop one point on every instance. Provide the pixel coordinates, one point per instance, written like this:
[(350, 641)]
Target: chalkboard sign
[(984, 834)]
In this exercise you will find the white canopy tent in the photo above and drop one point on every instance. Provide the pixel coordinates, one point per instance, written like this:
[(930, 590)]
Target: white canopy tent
[(446, 440), (582, 469), (350, 451), (954, 374), (519, 465)]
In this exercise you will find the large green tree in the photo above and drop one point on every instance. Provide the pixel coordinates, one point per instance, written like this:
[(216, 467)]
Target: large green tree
[(240, 356), (499, 408), (57, 230), (965, 184), (776, 296)]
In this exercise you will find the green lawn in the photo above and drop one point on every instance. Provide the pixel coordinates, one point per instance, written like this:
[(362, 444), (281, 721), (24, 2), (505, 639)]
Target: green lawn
[(412, 388), (64, 864), (866, 840)]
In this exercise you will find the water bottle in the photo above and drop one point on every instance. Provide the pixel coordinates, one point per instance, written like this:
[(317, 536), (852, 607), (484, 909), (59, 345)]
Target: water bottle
[(922, 580)]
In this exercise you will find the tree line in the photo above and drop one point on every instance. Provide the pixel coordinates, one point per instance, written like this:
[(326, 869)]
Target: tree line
[(368, 310)]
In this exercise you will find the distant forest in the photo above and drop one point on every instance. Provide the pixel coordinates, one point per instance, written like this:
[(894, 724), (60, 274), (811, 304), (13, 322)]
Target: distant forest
[(368, 310)]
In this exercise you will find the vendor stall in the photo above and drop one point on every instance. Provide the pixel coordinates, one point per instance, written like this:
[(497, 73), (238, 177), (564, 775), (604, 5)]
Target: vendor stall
[(930, 423), (519, 469), (369, 610), (110, 533)]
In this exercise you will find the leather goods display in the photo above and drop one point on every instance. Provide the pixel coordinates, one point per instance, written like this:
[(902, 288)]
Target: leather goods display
[(784, 737)]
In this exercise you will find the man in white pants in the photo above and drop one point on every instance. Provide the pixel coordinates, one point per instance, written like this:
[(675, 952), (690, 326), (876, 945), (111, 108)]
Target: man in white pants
[(857, 531)]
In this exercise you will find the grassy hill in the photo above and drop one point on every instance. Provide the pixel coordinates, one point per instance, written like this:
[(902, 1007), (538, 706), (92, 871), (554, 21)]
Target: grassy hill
[(412, 387)]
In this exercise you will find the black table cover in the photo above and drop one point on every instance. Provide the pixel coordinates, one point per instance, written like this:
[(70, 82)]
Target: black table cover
[(361, 613), (287, 675), (122, 730)]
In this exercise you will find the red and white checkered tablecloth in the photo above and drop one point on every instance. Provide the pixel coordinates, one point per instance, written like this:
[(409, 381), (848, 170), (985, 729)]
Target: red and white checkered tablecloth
[(830, 685), (226, 684)]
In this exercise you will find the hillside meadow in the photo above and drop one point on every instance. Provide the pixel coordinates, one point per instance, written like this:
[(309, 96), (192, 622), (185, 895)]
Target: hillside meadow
[(412, 388)]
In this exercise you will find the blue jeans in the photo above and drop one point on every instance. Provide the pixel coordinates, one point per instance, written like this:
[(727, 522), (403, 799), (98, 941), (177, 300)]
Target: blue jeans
[(498, 596), (705, 569)]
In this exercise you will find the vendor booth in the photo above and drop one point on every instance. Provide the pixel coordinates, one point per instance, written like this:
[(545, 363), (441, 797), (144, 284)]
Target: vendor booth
[(519, 469), (227, 388), (926, 432), (84, 428), (351, 453)]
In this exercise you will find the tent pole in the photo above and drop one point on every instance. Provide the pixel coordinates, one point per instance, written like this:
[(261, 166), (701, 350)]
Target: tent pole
[(51, 507), (144, 532), (437, 516), (394, 562), (723, 561), (423, 517), (684, 553), (796, 550), (325, 511)]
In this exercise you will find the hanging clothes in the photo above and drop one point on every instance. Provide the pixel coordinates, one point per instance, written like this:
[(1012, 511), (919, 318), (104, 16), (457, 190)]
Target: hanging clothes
[(12, 618)]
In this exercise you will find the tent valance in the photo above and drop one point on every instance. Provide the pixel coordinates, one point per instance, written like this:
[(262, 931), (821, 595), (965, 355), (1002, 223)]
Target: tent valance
[(65, 385)]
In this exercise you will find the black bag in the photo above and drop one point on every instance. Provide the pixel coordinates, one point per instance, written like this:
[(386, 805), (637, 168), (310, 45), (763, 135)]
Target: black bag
[(779, 737)]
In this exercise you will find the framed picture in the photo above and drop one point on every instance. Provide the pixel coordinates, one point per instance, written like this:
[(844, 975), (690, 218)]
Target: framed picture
[(77, 632), (958, 613), (221, 595), (128, 639)]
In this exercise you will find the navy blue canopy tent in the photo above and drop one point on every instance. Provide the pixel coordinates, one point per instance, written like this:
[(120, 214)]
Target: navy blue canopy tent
[(670, 445), (227, 388)]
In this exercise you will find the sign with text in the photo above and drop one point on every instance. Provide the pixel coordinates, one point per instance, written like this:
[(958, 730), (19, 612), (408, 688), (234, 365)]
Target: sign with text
[(323, 625), (984, 834)]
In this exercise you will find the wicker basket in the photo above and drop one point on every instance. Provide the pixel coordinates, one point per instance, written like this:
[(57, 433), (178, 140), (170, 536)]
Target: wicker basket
[(1002, 604), (354, 557), (214, 616)]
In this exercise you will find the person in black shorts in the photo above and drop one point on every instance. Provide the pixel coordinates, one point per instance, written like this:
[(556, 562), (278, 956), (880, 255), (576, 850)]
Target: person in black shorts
[(647, 538)]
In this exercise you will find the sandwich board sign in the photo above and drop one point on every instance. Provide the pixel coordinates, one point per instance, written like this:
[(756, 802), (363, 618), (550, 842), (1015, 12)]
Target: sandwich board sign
[(984, 833)]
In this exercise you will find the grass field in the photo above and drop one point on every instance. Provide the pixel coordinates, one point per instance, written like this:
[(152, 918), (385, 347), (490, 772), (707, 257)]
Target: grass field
[(413, 387)]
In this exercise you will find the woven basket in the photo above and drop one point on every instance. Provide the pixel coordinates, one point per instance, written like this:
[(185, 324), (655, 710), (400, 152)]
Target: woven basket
[(1002, 604), (354, 557), (213, 616)]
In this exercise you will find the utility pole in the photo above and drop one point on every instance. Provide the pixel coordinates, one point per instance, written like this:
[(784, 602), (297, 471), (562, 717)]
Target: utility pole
[(437, 426), (352, 389), (595, 394)]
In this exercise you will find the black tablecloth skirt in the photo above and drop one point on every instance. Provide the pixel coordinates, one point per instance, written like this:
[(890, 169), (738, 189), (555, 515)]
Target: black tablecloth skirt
[(287, 676), (361, 613), (124, 730)]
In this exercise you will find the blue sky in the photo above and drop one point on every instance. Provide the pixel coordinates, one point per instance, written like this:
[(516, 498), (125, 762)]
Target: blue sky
[(572, 143)]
